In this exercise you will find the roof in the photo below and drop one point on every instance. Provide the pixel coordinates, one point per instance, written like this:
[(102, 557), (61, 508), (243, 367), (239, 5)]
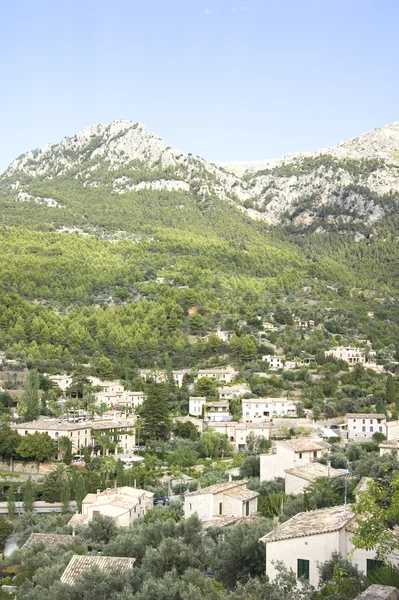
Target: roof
[(365, 416), (227, 521), (220, 404), (79, 520), (302, 444), (57, 425), (218, 488), (392, 424), (242, 494), (248, 426), (314, 471), (198, 398), (266, 400), (313, 522), (217, 370), (363, 485), (392, 444), (50, 539), (79, 564), (124, 496)]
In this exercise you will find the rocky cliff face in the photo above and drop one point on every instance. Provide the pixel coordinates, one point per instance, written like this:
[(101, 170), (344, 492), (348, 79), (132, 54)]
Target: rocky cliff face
[(348, 187)]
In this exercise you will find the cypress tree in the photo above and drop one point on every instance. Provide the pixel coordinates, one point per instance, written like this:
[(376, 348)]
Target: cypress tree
[(29, 497), (29, 404), (155, 413), (80, 492), (11, 501), (390, 391)]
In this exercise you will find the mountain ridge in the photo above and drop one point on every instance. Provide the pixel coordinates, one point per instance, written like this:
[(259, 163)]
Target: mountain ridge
[(349, 187)]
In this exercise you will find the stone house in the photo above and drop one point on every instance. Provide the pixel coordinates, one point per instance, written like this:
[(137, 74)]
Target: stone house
[(233, 391), (222, 374), (389, 447), (289, 454), (237, 433), (351, 355), (310, 538), (83, 434), (124, 505), (229, 499)]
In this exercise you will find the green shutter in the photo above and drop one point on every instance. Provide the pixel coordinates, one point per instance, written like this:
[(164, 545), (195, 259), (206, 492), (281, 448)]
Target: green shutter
[(303, 568)]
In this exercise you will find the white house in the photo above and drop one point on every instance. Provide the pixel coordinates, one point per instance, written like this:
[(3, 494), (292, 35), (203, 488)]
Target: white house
[(229, 499), (238, 433), (222, 374), (266, 408), (233, 391), (223, 335), (217, 411), (361, 427), (392, 430), (269, 326), (195, 405), (162, 376), (310, 538), (288, 454), (124, 505), (298, 479), (351, 355), (275, 362)]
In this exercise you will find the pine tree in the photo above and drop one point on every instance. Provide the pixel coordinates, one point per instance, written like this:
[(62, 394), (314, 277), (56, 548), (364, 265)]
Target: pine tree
[(155, 413)]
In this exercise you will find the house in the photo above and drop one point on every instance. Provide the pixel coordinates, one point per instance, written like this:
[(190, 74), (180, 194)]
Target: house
[(222, 374), (267, 325), (83, 434), (229, 499), (223, 335), (392, 430), (237, 433), (131, 399), (124, 505), (389, 447), (310, 538), (196, 405), (80, 563), (290, 364), (298, 479), (351, 355), (162, 376), (267, 408), (361, 427), (288, 454), (280, 426), (303, 323), (308, 360), (62, 381), (233, 391), (198, 423), (217, 411), (275, 362)]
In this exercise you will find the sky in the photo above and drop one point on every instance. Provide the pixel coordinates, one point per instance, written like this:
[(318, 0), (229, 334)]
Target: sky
[(228, 80)]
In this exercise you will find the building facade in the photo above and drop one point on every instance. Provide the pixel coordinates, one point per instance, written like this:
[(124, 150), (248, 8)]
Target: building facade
[(229, 499), (289, 454), (265, 409)]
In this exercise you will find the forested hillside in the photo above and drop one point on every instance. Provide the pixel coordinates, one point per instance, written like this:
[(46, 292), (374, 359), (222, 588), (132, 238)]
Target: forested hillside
[(109, 238)]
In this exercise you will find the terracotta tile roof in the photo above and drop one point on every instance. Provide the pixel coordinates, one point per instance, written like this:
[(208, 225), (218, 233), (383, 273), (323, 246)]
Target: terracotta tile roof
[(242, 494), (314, 471), (81, 563), (365, 416), (313, 522), (50, 539), (79, 520), (363, 485), (227, 521), (218, 488), (391, 444), (302, 444)]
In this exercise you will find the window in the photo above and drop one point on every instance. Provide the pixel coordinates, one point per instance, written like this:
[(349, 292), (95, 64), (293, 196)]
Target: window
[(363, 428), (373, 564), (371, 420), (363, 421), (315, 454), (354, 427), (380, 429), (246, 509), (303, 568), (300, 455), (371, 429), (220, 508)]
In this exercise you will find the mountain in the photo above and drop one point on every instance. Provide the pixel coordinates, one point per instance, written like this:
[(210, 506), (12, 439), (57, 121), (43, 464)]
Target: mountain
[(121, 178)]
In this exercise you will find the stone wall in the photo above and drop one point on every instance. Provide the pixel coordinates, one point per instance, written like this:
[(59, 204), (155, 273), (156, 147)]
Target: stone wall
[(379, 592)]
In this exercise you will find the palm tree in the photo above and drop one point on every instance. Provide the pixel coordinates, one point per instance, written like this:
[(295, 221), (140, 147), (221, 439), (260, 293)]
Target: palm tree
[(108, 466)]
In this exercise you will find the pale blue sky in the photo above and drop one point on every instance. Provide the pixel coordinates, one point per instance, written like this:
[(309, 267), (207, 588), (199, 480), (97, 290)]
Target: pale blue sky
[(224, 79)]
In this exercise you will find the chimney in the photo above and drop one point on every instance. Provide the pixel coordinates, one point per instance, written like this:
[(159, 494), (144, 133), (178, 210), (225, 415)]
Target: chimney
[(98, 492), (275, 524), (230, 477), (329, 468)]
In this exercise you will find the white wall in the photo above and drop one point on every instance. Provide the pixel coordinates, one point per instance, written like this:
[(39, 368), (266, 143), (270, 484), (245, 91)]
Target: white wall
[(274, 465)]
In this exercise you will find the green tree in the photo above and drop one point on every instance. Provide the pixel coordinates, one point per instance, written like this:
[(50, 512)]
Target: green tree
[(11, 501), (65, 494), (186, 430), (155, 412), (6, 529), (183, 456), (9, 442), (65, 449), (28, 497), (36, 446), (104, 368), (29, 405), (390, 389), (80, 491)]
